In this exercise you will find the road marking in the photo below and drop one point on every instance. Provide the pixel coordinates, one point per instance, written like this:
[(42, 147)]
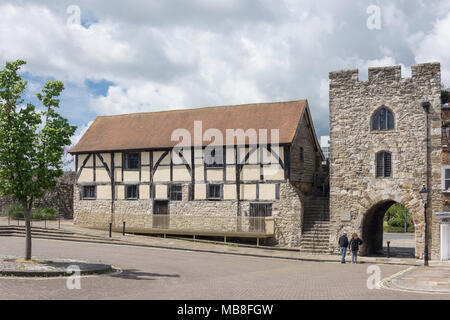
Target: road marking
[(383, 283)]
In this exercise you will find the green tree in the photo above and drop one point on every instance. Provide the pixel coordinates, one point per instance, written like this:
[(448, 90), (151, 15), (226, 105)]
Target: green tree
[(31, 141)]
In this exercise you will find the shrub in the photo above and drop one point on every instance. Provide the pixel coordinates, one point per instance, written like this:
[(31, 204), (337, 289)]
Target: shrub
[(44, 214), (15, 211)]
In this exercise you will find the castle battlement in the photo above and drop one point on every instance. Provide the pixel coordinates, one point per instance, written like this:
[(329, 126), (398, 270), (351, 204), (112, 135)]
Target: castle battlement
[(419, 72)]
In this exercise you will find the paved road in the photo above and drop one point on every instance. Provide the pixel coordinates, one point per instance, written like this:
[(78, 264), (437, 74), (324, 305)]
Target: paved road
[(169, 274)]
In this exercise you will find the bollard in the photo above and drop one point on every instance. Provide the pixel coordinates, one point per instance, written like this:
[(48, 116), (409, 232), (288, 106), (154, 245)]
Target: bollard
[(110, 229), (9, 218), (45, 223), (388, 249), (123, 229)]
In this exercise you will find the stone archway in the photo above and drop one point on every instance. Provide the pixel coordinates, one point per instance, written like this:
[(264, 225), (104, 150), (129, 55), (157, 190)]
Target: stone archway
[(372, 228)]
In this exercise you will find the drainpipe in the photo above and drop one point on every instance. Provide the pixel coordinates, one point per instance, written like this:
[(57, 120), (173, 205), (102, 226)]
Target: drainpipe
[(426, 108)]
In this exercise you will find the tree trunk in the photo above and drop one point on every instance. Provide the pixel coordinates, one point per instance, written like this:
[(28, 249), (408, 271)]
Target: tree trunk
[(27, 215)]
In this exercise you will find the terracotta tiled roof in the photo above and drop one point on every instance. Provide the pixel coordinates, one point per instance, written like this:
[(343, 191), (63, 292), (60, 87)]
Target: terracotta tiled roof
[(154, 129)]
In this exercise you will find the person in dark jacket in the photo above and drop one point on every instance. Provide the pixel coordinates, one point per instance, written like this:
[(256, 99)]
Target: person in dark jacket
[(343, 243), (353, 245)]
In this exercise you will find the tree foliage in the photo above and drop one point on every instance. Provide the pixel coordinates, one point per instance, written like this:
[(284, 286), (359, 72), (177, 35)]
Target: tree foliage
[(31, 140), (395, 218)]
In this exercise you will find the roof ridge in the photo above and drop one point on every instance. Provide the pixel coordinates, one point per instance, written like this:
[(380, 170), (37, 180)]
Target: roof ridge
[(199, 108)]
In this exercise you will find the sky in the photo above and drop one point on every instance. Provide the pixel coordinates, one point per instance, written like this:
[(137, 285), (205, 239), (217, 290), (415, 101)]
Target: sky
[(131, 56)]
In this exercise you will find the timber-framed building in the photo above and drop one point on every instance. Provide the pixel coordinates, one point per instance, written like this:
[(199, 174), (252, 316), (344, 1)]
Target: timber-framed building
[(231, 171)]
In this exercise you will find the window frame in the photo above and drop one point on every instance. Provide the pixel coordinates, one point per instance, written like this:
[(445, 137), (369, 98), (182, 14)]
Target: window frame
[(171, 192), (83, 197), (214, 165), (125, 161), (444, 168), (126, 192), (383, 176), (376, 113), (208, 191)]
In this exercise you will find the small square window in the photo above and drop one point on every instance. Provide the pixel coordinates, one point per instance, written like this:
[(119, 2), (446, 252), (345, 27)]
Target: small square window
[(131, 161), (131, 192), (176, 192), (89, 192), (214, 191)]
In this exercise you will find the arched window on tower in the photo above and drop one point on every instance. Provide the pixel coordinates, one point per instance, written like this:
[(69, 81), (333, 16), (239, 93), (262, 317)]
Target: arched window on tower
[(383, 164), (382, 119)]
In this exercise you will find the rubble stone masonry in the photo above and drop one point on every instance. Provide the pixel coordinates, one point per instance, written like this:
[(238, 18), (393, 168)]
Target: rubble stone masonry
[(356, 195)]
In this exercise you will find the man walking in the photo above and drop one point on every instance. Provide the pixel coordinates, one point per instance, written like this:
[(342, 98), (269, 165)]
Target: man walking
[(343, 243)]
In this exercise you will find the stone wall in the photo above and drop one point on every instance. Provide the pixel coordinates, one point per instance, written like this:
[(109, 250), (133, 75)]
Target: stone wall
[(354, 190), (5, 202), (60, 198), (185, 215)]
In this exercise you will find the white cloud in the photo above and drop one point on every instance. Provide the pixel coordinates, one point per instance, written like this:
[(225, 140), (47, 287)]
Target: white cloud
[(173, 54), (434, 46)]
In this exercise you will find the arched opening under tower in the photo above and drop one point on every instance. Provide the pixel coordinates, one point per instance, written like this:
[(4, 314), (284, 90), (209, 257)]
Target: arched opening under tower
[(388, 221)]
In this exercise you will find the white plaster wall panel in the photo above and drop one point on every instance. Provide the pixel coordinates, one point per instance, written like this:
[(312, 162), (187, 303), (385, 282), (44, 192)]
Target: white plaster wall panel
[(251, 172), (144, 192), (229, 192), (131, 176), (267, 191), (104, 192), (87, 175), (162, 174), (273, 172), (200, 191), (231, 173), (215, 175), (248, 192), (101, 175), (181, 173), (160, 191)]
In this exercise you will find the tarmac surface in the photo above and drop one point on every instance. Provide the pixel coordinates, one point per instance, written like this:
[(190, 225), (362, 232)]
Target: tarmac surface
[(152, 273)]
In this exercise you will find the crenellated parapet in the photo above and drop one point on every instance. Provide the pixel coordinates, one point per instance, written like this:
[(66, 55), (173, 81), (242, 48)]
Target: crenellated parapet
[(420, 72)]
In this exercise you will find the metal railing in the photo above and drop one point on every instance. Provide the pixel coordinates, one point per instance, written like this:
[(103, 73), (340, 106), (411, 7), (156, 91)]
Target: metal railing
[(186, 224)]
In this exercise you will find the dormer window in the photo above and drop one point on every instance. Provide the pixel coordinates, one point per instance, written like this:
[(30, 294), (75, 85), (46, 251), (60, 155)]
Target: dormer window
[(382, 119)]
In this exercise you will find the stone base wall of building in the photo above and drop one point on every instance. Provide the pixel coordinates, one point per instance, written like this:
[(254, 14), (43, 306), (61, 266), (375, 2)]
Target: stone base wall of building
[(197, 215)]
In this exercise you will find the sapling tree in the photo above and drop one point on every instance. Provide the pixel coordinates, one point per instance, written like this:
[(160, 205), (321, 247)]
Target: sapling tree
[(32, 141)]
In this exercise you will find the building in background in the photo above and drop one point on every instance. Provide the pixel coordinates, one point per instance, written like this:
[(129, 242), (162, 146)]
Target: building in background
[(325, 145)]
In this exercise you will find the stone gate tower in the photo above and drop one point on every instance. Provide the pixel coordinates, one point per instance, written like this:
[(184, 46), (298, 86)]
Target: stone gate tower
[(378, 152)]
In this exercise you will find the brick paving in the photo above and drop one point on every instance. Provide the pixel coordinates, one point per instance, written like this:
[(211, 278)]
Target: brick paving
[(205, 246), (150, 273)]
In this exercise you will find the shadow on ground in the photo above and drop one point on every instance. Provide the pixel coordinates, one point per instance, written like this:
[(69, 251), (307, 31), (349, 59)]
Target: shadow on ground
[(133, 274), (395, 252)]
